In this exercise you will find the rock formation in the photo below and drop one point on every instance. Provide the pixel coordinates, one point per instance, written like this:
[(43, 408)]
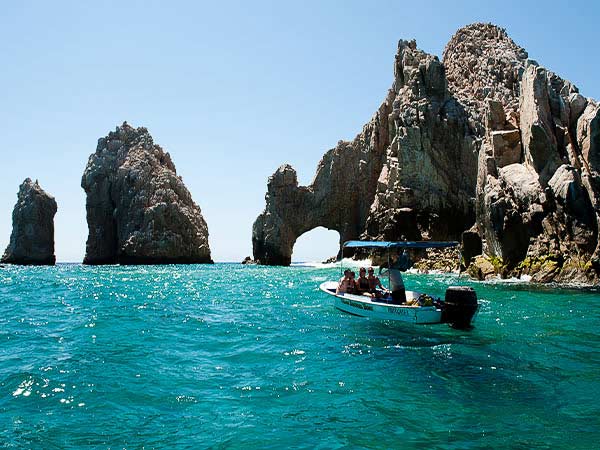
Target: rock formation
[(486, 144), (138, 209), (534, 192), (483, 63), (32, 238), (395, 177)]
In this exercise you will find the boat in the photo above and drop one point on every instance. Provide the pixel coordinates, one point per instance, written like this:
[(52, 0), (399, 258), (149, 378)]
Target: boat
[(458, 308)]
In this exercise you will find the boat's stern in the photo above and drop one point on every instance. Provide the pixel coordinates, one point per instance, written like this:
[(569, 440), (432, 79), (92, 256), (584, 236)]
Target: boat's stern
[(459, 307)]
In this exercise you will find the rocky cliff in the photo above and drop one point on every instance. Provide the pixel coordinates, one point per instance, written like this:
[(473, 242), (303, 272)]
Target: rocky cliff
[(138, 209), (396, 177), (32, 238), (485, 142), (537, 183)]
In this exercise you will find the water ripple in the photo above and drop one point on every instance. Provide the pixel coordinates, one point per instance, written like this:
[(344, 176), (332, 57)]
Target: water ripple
[(246, 356)]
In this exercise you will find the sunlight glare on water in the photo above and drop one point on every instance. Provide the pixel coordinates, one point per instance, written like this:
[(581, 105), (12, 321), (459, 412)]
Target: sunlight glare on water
[(249, 356)]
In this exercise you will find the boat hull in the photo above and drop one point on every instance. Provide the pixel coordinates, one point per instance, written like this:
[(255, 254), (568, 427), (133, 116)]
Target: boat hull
[(363, 306)]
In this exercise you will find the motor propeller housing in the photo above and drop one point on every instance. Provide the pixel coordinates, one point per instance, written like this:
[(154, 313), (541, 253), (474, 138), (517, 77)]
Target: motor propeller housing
[(459, 307)]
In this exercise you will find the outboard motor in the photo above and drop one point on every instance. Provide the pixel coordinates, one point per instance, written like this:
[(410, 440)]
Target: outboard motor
[(459, 307)]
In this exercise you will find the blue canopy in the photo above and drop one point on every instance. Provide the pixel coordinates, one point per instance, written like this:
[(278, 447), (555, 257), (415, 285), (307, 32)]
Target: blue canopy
[(401, 244)]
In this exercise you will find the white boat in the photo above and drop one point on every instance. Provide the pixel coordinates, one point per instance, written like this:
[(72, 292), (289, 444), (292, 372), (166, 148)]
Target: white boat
[(364, 306), (457, 309)]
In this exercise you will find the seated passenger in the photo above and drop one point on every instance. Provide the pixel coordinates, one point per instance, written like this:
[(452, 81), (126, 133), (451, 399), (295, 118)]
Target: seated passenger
[(374, 283), (343, 283), (346, 274), (351, 287), (362, 284)]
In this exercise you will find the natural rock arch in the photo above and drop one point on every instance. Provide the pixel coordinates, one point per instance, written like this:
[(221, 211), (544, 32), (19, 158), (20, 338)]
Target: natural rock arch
[(338, 198), (316, 246), (296, 210), (411, 168)]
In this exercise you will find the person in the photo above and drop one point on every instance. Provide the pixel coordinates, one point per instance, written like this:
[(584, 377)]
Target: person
[(351, 287), (343, 283), (374, 283), (395, 275), (403, 263), (346, 274), (362, 284)]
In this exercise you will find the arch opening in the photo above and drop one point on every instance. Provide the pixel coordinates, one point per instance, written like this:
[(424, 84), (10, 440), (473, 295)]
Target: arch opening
[(316, 245)]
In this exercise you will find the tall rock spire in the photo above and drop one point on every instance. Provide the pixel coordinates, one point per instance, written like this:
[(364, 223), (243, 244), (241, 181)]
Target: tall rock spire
[(32, 238)]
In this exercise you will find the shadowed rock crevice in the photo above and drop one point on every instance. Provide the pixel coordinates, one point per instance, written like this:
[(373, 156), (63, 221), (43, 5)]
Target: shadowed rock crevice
[(138, 209), (32, 237)]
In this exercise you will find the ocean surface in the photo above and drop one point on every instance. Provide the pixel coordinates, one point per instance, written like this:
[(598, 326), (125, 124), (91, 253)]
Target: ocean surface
[(233, 356)]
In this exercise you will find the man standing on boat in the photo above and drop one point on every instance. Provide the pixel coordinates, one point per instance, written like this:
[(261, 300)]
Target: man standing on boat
[(394, 273)]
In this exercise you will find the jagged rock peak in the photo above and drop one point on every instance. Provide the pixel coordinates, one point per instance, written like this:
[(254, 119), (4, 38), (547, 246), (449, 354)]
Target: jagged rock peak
[(483, 63), (32, 238), (138, 209)]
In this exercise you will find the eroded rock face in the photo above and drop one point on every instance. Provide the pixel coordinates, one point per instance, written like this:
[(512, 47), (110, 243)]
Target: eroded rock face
[(533, 191), (398, 176), (484, 64), (425, 187), (559, 229), (584, 150), (138, 209), (32, 238), (486, 137)]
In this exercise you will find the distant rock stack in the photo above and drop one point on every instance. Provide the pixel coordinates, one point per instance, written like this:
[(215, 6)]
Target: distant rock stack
[(32, 238), (138, 209)]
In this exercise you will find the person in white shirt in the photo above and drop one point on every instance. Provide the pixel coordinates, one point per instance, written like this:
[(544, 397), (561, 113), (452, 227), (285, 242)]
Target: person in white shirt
[(394, 273)]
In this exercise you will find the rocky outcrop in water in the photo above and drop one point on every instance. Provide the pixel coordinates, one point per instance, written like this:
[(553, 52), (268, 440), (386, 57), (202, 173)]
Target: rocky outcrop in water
[(534, 209), (487, 142), (138, 209), (32, 238), (394, 178)]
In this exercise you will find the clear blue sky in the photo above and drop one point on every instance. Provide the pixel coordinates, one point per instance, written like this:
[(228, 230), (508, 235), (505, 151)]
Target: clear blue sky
[(231, 89)]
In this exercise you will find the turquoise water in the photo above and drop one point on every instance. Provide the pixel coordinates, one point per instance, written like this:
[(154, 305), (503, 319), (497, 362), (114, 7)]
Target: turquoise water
[(232, 356)]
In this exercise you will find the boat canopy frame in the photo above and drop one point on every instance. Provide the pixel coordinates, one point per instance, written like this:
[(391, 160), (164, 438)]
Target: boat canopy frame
[(400, 244), (391, 245)]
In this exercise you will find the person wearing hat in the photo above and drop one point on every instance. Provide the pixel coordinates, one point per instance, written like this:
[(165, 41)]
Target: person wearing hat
[(394, 273)]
